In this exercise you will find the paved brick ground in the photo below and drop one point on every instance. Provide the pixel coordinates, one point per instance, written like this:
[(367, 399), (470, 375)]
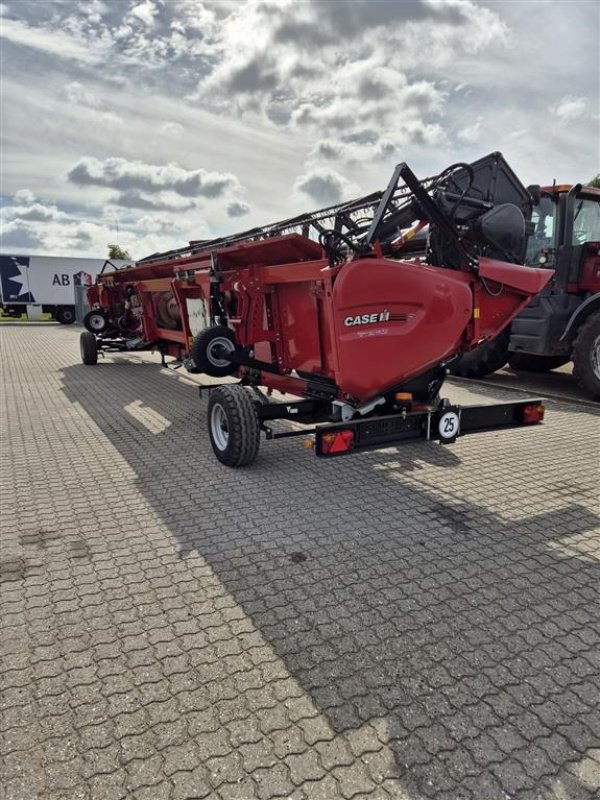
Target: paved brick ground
[(418, 623)]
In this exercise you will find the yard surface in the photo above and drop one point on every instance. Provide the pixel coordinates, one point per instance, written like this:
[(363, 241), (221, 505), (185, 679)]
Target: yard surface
[(422, 622)]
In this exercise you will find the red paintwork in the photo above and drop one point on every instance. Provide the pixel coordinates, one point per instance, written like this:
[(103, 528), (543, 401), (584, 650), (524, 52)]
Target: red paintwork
[(369, 325), (514, 286), (590, 274), (434, 307)]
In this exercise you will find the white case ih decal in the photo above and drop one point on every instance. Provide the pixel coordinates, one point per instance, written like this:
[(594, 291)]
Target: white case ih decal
[(370, 319)]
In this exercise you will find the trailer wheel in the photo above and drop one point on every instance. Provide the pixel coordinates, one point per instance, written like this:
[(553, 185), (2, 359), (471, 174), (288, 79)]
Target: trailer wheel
[(66, 315), (485, 359), (88, 347), (233, 426), (95, 321), (586, 356), (210, 349), (528, 362)]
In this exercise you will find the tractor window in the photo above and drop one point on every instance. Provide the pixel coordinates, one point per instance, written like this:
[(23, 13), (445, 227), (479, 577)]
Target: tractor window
[(586, 221), (542, 238)]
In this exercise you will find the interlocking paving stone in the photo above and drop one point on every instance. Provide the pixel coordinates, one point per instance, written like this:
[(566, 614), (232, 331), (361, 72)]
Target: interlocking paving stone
[(422, 622)]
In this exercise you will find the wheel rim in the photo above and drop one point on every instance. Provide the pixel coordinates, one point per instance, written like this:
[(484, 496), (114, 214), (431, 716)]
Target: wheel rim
[(595, 357), (215, 350), (218, 427), (68, 315), (96, 321)]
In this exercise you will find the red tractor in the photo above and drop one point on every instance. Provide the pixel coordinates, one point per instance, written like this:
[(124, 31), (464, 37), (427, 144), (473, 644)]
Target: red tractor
[(562, 322), (361, 334)]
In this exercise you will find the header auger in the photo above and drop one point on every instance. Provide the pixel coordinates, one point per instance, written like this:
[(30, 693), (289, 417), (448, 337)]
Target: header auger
[(351, 309)]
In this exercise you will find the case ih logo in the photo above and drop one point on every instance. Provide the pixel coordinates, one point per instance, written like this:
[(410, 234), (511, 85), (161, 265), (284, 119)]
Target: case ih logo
[(82, 279), (371, 319)]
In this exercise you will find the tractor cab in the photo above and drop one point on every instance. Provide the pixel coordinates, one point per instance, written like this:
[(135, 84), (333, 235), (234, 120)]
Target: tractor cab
[(566, 236)]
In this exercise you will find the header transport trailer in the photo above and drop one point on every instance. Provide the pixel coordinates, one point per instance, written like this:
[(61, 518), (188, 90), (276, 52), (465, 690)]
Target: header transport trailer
[(360, 332)]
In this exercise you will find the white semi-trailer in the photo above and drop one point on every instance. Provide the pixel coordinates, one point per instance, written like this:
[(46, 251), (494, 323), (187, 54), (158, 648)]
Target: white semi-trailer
[(35, 285)]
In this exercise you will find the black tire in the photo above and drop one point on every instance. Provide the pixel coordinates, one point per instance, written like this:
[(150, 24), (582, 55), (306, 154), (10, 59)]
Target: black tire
[(528, 362), (95, 321), (233, 426), (66, 315), (485, 359), (209, 351), (88, 347), (586, 356)]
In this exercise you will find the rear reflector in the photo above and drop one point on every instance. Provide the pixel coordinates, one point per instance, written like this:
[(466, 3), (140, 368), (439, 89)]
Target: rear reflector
[(338, 442), (533, 414)]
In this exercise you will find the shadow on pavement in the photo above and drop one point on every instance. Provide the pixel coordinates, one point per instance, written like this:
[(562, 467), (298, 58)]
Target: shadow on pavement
[(468, 634), (557, 386)]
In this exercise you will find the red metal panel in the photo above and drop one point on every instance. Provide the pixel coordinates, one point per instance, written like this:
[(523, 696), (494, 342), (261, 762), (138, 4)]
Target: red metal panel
[(292, 273), (395, 319), (155, 285), (590, 273), (174, 336), (299, 326), (507, 289), (527, 280)]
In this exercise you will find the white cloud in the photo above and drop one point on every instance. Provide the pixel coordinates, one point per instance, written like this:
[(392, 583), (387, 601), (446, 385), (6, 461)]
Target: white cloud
[(238, 209), (90, 105), (40, 228), (264, 92), (145, 12), (569, 108), (24, 197), (172, 128), (59, 43), (325, 186), (471, 133), (119, 173), (77, 93)]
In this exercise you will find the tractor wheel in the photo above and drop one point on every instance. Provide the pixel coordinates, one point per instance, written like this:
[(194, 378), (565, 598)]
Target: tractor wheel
[(88, 347), (485, 359), (527, 362), (66, 315), (210, 349), (586, 356), (233, 426), (95, 321)]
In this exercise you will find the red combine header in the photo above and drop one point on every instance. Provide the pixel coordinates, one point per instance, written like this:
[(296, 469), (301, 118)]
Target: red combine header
[(348, 309)]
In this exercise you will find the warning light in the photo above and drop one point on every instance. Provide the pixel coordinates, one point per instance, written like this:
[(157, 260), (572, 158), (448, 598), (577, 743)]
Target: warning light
[(403, 397), (338, 442), (533, 414)]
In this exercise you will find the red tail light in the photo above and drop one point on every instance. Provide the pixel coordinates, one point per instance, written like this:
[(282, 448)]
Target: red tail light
[(533, 414), (338, 442)]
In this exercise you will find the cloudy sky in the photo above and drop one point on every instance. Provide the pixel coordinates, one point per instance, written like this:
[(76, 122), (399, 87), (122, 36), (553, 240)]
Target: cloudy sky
[(151, 123)]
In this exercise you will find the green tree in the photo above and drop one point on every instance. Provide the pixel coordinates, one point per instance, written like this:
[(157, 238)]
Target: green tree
[(595, 182), (116, 253)]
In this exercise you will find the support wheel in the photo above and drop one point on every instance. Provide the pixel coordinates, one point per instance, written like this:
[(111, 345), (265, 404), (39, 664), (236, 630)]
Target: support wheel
[(88, 347), (210, 350), (66, 315), (586, 356), (233, 426), (527, 362), (485, 359), (95, 321)]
